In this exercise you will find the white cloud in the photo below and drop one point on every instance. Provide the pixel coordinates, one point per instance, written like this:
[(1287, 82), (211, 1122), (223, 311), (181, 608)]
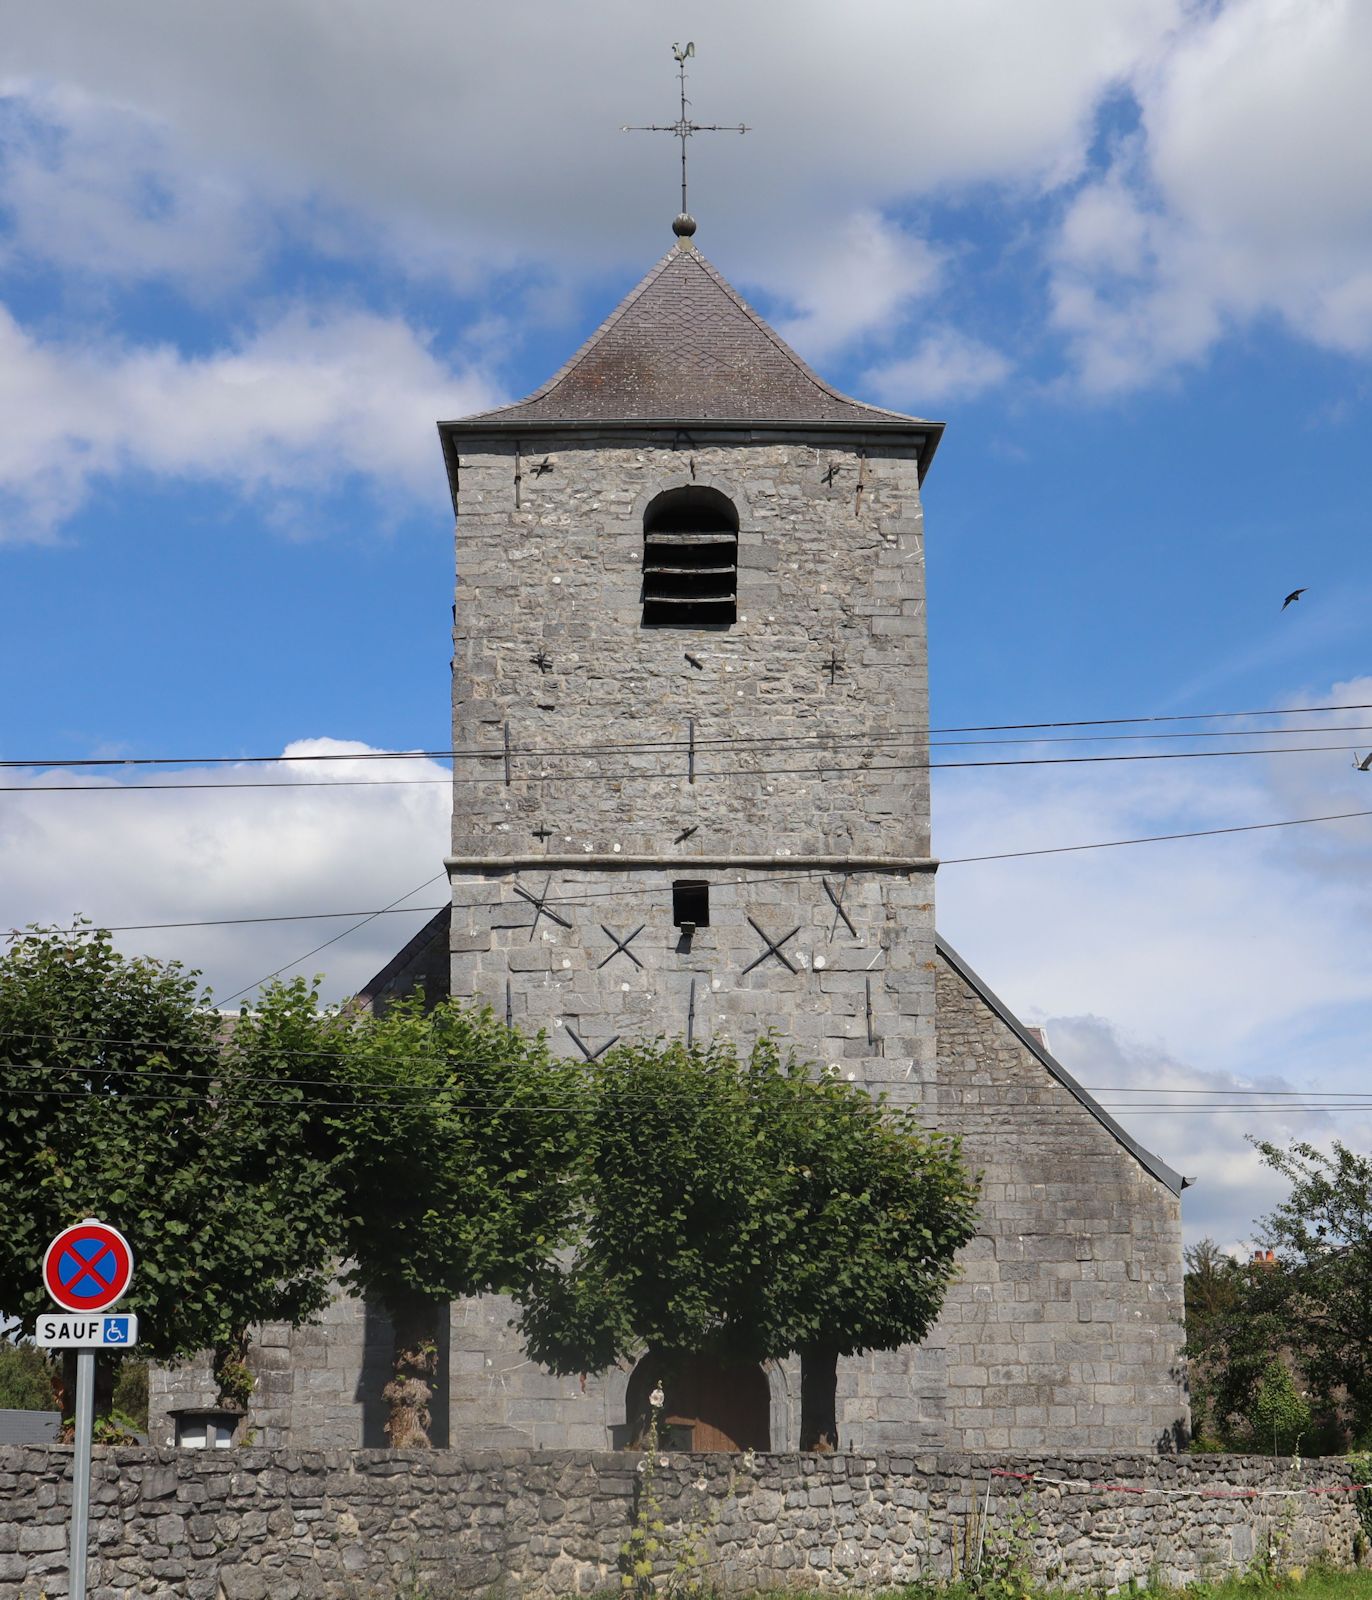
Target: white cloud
[(102, 192), (184, 145), (1237, 960), (425, 115), (858, 279), (1233, 1188), (300, 402), (168, 857), (190, 146), (945, 365), (1247, 193)]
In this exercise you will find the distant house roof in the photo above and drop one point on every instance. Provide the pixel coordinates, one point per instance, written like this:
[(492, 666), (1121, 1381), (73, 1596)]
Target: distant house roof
[(29, 1427), (681, 348), (1034, 1041)]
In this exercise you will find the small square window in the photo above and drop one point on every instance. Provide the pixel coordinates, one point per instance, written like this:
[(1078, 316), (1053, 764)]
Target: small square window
[(691, 903)]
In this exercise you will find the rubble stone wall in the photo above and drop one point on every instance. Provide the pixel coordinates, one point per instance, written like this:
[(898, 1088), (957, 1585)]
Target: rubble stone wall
[(253, 1524)]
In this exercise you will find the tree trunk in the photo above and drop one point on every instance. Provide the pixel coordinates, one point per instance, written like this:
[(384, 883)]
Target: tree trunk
[(233, 1378), (415, 1362), (819, 1399), (64, 1390)]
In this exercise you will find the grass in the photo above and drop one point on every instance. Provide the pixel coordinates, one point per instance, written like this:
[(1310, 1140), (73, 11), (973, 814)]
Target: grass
[(1317, 1583)]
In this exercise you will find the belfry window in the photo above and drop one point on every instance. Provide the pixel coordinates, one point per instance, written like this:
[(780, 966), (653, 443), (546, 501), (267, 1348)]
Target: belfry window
[(690, 560)]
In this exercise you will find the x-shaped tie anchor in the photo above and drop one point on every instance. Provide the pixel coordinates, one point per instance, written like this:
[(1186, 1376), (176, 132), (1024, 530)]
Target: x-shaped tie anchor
[(621, 946), (773, 948), (585, 1049), (836, 900), (540, 904)]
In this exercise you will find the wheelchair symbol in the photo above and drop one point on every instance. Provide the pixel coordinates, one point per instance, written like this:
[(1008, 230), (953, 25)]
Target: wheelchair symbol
[(116, 1330)]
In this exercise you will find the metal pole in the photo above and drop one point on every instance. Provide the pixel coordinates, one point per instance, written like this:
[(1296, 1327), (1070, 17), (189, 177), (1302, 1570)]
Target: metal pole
[(81, 1472)]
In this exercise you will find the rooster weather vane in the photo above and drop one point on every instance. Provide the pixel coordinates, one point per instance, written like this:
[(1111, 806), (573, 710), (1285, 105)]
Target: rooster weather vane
[(683, 128)]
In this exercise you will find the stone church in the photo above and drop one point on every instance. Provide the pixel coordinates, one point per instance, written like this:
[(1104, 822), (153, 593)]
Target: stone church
[(689, 641)]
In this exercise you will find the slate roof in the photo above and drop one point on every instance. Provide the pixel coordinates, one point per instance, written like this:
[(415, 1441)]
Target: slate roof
[(29, 1427), (684, 347)]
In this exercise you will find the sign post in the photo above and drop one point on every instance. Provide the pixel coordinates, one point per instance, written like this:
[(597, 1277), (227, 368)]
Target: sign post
[(86, 1270)]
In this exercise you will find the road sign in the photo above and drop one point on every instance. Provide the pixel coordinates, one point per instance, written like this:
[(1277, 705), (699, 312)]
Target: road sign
[(88, 1268), (87, 1333)]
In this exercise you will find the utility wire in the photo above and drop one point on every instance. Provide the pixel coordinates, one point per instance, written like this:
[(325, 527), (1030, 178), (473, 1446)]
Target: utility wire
[(963, 1117), (1228, 1098), (257, 982), (498, 751), (684, 862), (656, 775)]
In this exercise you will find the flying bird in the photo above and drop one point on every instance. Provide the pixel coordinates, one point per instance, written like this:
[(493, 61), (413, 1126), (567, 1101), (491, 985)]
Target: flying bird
[(1365, 765), (1294, 595)]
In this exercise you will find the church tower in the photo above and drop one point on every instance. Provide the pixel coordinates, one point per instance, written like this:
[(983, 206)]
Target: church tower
[(690, 696), (690, 798), (690, 712)]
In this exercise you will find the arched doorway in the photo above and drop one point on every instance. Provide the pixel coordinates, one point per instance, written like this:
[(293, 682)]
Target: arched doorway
[(726, 1407)]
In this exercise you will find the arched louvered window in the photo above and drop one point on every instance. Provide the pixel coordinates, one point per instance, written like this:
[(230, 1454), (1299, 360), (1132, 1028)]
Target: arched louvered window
[(690, 559)]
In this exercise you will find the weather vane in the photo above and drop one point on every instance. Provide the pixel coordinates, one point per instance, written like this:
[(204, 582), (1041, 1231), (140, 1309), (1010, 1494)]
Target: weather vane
[(683, 128)]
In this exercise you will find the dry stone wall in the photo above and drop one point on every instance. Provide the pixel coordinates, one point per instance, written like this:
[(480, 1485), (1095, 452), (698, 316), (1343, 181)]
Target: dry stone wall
[(336, 1525)]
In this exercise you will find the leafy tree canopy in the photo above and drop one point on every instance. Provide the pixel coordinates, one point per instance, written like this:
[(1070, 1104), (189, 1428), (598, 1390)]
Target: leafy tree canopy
[(454, 1145), (119, 1099), (454, 1148), (1305, 1311), (740, 1208), (26, 1376), (1321, 1292)]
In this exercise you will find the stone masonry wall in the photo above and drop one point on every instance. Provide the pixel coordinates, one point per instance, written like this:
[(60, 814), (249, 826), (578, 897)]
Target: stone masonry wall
[(1064, 1327), (823, 569), (549, 651), (335, 1525), (808, 716)]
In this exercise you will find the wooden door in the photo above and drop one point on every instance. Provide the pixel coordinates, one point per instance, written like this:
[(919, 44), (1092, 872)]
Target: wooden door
[(726, 1407)]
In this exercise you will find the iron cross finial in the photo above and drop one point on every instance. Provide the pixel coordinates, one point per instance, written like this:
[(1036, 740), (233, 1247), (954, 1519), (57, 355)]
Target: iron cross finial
[(683, 128)]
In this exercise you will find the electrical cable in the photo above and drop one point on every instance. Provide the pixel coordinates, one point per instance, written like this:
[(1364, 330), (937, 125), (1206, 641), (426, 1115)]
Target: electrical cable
[(495, 752), (822, 773), (257, 983), (1230, 1099), (963, 1117), (685, 861)]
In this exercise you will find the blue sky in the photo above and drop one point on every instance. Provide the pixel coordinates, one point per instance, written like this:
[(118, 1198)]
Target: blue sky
[(247, 259)]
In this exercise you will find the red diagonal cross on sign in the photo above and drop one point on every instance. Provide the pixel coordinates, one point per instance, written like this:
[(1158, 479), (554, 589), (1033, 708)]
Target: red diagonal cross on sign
[(88, 1267), (98, 1268)]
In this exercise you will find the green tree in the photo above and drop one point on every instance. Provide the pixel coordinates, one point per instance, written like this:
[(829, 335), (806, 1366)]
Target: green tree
[(26, 1378), (120, 1099), (1280, 1414), (455, 1144), (740, 1209), (1321, 1289), (1226, 1350)]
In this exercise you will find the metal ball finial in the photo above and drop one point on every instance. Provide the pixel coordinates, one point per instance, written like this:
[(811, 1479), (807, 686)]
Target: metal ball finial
[(684, 226)]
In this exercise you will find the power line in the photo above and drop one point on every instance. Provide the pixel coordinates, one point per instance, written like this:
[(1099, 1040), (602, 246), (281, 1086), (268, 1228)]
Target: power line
[(1153, 838), (1227, 1100), (498, 751), (685, 862), (827, 770), (257, 982), (986, 1112)]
